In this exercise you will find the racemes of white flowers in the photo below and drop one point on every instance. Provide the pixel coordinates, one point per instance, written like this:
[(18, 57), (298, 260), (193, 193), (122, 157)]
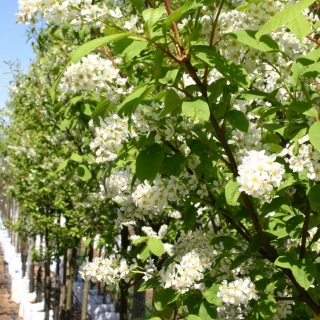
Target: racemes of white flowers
[(108, 270), (239, 291), (307, 158), (110, 136), (259, 174), (195, 255), (94, 74)]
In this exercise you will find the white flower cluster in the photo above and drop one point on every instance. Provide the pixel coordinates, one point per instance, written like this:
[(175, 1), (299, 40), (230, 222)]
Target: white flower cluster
[(77, 12), (247, 141), (308, 158), (198, 258), (110, 136), (259, 174), (96, 74), (151, 233), (237, 292), (107, 270)]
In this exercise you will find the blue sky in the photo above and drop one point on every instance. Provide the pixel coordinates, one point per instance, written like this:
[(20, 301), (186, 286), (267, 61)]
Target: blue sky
[(13, 45)]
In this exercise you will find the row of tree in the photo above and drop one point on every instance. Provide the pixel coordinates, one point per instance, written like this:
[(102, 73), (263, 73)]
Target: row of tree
[(189, 128)]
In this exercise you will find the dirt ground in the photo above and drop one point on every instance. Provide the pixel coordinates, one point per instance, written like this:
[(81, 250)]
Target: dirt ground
[(8, 309)]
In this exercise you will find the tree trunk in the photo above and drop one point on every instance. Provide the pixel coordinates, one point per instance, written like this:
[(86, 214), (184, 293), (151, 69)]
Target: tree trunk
[(139, 301), (39, 285), (47, 283), (85, 299), (63, 291), (57, 291), (72, 254), (31, 264), (122, 303)]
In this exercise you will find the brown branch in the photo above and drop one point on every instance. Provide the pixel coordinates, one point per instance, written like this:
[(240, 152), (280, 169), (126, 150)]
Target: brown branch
[(305, 231), (313, 40), (175, 29)]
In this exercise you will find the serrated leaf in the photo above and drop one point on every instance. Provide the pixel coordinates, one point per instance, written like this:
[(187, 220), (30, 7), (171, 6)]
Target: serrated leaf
[(89, 46), (247, 37), (162, 297), (62, 165), (238, 120), (314, 135), (303, 65), (283, 17), (207, 311), (196, 109), (152, 16), (84, 173), (177, 14), (87, 242), (139, 240), (266, 306), (145, 253), (300, 26), (76, 157), (232, 192), (155, 246), (192, 317), (171, 102), (304, 108), (149, 284), (149, 162), (129, 105), (211, 295), (234, 73)]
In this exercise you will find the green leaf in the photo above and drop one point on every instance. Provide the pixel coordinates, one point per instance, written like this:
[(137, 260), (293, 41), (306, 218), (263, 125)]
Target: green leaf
[(196, 109), (84, 173), (101, 111), (207, 311), (266, 306), (139, 240), (273, 205), (149, 284), (232, 192), (314, 197), (129, 105), (86, 48), (76, 157), (149, 162), (162, 297), (304, 64), (62, 165), (314, 135), (145, 253), (283, 17), (238, 120), (152, 16), (87, 242), (175, 164), (211, 295), (238, 261), (130, 48), (156, 246), (177, 14), (233, 72), (304, 108), (171, 102), (193, 302), (300, 26), (192, 317), (303, 270), (247, 37)]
